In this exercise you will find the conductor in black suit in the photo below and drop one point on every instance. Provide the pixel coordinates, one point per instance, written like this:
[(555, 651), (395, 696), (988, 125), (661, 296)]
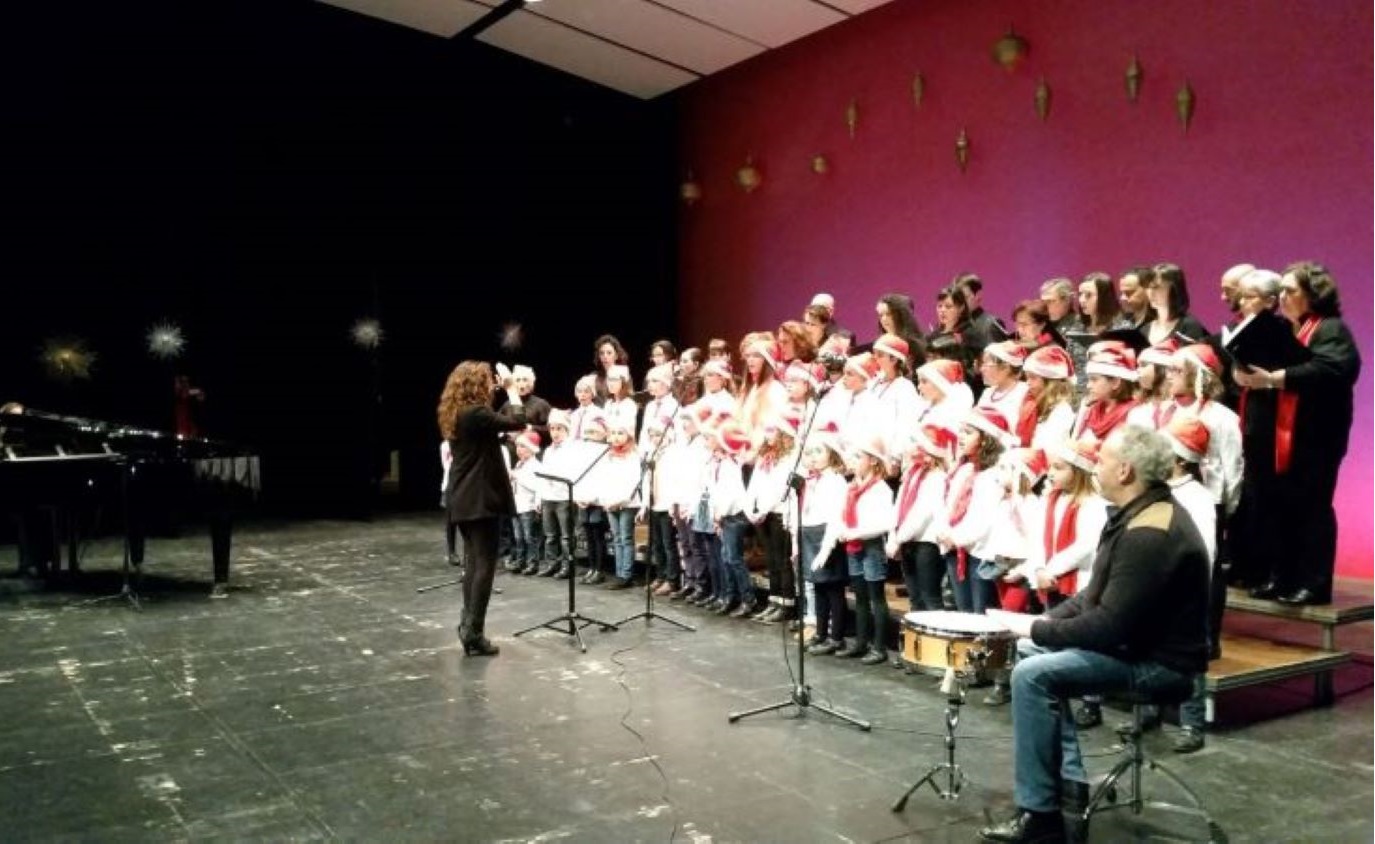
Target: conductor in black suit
[(479, 490)]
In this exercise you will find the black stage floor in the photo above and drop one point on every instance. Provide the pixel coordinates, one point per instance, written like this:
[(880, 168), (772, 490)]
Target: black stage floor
[(326, 699)]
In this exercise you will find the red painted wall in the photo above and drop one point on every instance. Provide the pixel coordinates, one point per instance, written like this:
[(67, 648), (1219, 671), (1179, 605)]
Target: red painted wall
[(1275, 167)]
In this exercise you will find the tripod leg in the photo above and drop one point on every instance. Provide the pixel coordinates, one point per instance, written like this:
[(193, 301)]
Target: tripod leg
[(929, 777), (857, 722), (674, 621), (736, 716)]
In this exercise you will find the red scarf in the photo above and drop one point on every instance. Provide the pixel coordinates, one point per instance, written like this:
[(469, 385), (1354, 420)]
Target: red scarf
[(959, 509), (907, 493), (1287, 406), (851, 515), (1027, 417), (1101, 419), (1058, 540)]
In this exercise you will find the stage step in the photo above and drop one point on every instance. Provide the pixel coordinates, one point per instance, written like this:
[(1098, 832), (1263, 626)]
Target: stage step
[(1348, 607), (1250, 661)]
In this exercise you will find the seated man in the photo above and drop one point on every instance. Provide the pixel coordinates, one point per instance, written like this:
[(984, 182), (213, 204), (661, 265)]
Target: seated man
[(1139, 626)]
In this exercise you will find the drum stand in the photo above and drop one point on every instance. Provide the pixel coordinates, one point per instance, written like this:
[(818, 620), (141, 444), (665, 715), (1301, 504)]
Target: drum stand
[(954, 688)]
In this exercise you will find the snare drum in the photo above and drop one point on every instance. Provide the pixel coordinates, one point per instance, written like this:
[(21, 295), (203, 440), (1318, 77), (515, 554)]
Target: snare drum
[(935, 640)]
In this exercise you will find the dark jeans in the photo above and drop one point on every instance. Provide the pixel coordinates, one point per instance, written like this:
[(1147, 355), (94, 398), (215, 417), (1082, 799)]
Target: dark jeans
[(696, 554), (558, 531), (663, 545), (525, 545), (1045, 741), (594, 530), (721, 587), (830, 610), (480, 549), (733, 530), (623, 540), (922, 570), (972, 593)]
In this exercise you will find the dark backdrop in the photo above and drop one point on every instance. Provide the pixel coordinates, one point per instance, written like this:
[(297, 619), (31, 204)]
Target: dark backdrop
[(265, 173)]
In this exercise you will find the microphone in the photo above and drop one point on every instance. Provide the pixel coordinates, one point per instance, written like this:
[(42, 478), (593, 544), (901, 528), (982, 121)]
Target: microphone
[(824, 388)]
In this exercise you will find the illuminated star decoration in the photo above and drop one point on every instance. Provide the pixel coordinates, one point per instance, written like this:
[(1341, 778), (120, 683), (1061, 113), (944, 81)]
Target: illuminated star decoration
[(67, 358), (511, 336), (367, 333), (165, 341)]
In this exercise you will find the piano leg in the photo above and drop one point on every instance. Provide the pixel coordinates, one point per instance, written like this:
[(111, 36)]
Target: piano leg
[(221, 534)]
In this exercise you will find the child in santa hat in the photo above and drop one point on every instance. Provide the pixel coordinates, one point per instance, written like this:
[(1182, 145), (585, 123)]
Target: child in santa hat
[(1153, 386), (941, 382), (865, 519), (557, 515), (822, 555), (1001, 369), (617, 489), (1110, 392), (526, 489), (591, 515), (896, 406), (919, 513), (972, 506), (682, 465), (619, 407), (726, 487), (658, 498), (1048, 407), (768, 502)]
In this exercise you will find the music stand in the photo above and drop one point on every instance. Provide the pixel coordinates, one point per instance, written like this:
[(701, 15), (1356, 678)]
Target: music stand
[(648, 613), (801, 694), (126, 589), (571, 618)]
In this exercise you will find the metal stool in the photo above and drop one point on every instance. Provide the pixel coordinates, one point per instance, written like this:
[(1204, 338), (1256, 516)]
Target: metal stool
[(1134, 762)]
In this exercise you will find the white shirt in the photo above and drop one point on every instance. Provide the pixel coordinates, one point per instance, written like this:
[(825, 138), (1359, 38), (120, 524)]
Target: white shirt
[(873, 518), (973, 530), (922, 521), (896, 409), (725, 486), (1007, 401), (1078, 555), (1052, 431), (1197, 501), (525, 486)]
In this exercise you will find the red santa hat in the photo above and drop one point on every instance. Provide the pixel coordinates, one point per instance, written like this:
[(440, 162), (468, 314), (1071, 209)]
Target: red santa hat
[(1113, 362), (827, 436), (530, 440), (662, 373), (620, 423), (1009, 352), (659, 424), (944, 373), (560, 419), (935, 440), (1050, 362), (788, 422), (1204, 359), (991, 422), (732, 438), (1161, 354), (813, 374), (1188, 438), (863, 365), (876, 448), (595, 422), (1031, 462), (824, 300), (1081, 454), (766, 349), (716, 367), (619, 371), (892, 345)]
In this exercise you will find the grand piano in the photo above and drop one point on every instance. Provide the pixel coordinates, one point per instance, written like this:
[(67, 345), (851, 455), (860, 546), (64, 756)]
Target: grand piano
[(60, 476)]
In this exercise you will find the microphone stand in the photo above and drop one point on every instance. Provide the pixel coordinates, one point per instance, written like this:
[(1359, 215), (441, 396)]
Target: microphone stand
[(571, 618), (648, 613), (801, 694)]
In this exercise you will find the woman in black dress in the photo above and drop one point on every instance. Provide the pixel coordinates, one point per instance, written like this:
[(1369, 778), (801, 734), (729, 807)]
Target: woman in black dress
[(479, 489)]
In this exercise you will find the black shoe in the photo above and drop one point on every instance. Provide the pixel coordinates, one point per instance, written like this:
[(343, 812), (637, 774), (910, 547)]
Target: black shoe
[(824, 648), (1074, 797), (745, 610), (1303, 597), (683, 594), (874, 657), (454, 559), (1087, 716), (480, 647), (595, 578), (898, 661), (1189, 740), (562, 572), (1267, 591), (854, 649), (1026, 827), (725, 607), (770, 610), (549, 569), (617, 583)]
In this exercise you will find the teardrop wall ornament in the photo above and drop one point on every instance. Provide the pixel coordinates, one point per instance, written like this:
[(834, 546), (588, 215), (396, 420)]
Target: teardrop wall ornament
[(918, 89), (820, 165), (690, 191), (1042, 99), (1133, 79), (1184, 102), (1009, 50), (852, 117), (962, 150)]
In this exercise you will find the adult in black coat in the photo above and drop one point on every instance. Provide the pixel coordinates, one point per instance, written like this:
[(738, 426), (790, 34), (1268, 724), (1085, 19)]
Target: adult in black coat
[(1313, 415), (479, 490)]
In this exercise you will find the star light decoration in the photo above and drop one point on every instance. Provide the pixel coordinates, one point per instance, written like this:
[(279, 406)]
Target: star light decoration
[(67, 358), (512, 336), (166, 341), (367, 333)]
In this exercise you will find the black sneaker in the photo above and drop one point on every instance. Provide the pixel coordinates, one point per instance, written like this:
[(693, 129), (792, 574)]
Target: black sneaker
[(1189, 740), (1088, 716), (617, 583), (1027, 827)]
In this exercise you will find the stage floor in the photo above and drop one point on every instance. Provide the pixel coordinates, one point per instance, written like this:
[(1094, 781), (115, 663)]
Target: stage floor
[(325, 699)]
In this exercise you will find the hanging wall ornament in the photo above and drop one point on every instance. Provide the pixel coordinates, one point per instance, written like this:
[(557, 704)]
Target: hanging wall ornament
[(1133, 79), (67, 358), (748, 177), (852, 117), (820, 165), (511, 337), (1184, 105), (962, 150), (1009, 50), (918, 89), (165, 341), (1042, 99), (690, 191), (367, 333)]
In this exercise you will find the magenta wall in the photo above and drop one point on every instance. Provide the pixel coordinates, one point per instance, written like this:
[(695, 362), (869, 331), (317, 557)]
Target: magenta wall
[(1275, 167)]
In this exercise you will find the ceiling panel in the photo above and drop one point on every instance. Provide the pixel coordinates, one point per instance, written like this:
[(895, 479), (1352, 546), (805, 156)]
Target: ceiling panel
[(567, 49), (770, 22), (437, 17), (647, 27)]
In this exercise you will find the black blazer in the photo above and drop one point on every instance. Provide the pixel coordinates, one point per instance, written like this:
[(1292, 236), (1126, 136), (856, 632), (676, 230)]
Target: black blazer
[(479, 485), (1322, 425)]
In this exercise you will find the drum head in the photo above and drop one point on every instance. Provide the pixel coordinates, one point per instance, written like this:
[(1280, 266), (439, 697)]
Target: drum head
[(954, 624)]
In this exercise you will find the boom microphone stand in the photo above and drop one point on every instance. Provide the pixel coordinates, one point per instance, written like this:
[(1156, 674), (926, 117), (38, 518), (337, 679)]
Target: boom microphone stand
[(801, 695), (574, 620), (648, 613)]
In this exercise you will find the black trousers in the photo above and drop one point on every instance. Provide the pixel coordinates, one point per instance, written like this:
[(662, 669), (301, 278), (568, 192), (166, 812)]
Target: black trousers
[(1309, 549), (830, 610), (922, 570), (778, 552), (480, 551)]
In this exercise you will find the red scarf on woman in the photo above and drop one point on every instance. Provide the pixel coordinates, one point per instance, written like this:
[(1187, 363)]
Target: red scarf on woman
[(1287, 406), (1058, 540), (1027, 417), (853, 494), (1101, 420), (959, 509)]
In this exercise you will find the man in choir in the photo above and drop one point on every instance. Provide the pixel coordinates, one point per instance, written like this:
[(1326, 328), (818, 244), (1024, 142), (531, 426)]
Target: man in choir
[(1131, 293), (973, 287)]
